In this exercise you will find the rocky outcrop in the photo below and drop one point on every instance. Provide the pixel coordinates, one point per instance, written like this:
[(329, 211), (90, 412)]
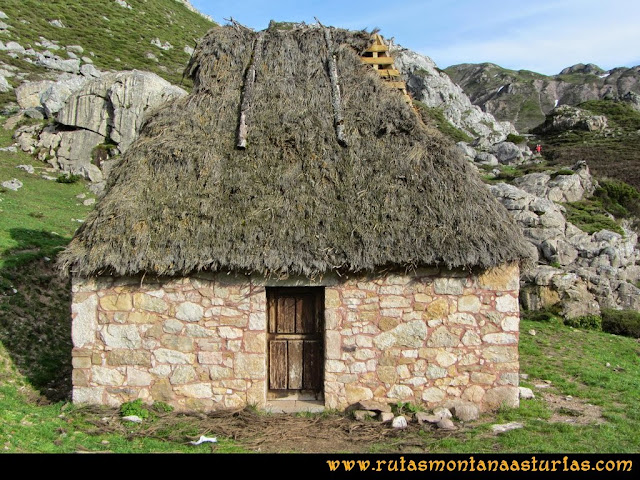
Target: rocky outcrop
[(114, 105), (429, 85), (566, 117), (581, 272), (89, 113), (559, 187), (524, 98)]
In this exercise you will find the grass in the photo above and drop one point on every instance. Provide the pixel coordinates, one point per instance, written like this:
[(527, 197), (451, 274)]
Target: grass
[(104, 28), (435, 116), (590, 216), (614, 153), (556, 354), (38, 219)]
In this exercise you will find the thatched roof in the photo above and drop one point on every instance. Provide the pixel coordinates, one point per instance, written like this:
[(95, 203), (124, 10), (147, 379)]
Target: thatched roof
[(184, 198)]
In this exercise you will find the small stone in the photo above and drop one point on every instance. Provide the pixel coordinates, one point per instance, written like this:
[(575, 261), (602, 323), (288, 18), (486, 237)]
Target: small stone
[(542, 385), (505, 427), (13, 184), (606, 365), (446, 424), (532, 332), (466, 412), (386, 416), (132, 418), (442, 412), (526, 393), (89, 201), (362, 415), (423, 418), (372, 406), (26, 168), (399, 422), (524, 376)]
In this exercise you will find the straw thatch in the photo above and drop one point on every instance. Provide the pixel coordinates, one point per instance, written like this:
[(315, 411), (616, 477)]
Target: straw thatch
[(295, 200)]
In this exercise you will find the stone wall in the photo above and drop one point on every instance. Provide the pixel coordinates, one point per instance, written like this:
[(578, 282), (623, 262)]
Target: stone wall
[(195, 343), (199, 343), (432, 337)]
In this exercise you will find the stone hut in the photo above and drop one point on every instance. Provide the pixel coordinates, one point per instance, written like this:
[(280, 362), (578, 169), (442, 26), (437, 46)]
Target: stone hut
[(291, 231)]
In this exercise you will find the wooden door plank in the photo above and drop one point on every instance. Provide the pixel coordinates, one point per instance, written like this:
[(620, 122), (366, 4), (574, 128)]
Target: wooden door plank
[(295, 357), (299, 325), (286, 315), (309, 314), (278, 364), (312, 374)]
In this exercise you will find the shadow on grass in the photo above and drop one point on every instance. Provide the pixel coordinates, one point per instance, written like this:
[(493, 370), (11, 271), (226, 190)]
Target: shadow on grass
[(35, 306)]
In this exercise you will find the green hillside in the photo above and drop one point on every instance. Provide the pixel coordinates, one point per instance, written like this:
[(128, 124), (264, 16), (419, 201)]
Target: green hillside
[(114, 37), (613, 153)]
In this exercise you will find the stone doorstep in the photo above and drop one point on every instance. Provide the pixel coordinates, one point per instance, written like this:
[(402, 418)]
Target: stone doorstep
[(294, 406)]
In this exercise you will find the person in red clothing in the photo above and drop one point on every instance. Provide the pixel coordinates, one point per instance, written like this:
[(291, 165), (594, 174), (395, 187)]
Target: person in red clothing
[(538, 149)]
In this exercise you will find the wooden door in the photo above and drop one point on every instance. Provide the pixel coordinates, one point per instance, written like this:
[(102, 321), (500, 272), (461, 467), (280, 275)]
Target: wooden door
[(295, 341)]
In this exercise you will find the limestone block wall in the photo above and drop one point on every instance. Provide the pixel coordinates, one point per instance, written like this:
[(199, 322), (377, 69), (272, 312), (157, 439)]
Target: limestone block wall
[(433, 337), (195, 343), (430, 336)]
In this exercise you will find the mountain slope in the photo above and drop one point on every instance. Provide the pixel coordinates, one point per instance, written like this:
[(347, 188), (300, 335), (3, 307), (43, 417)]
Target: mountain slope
[(155, 35), (524, 98)]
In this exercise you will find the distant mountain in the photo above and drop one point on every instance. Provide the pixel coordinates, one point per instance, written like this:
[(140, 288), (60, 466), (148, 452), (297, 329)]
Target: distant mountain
[(524, 98)]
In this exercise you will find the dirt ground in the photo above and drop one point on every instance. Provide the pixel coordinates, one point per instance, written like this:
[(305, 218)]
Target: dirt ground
[(329, 433)]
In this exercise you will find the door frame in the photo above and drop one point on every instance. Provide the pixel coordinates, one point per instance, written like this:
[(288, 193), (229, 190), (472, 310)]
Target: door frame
[(272, 294)]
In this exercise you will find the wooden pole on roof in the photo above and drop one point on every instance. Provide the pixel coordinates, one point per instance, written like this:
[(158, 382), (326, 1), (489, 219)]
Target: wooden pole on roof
[(247, 92), (336, 101)]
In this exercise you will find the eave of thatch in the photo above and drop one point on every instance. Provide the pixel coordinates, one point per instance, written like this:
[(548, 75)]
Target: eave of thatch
[(295, 201)]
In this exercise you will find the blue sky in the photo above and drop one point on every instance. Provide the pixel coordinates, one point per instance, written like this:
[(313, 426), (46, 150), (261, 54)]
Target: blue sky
[(540, 35)]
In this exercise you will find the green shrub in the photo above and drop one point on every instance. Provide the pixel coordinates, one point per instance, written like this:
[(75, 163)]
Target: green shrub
[(517, 139), (621, 322), (134, 408), (548, 315), (590, 216), (68, 178), (563, 171), (162, 407), (408, 408), (618, 198), (588, 322)]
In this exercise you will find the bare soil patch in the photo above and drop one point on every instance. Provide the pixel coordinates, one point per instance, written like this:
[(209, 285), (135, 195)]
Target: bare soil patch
[(274, 433), (567, 409)]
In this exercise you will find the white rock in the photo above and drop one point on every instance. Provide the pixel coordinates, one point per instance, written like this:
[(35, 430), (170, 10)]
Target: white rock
[(435, 89), (26, 168), (13, 184), (505, 427), (5, 86), (526, 393), (132, 418), (399, 422)]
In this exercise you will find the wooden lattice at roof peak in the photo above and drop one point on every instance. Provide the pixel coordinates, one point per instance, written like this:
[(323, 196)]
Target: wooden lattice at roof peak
[(377, 55)]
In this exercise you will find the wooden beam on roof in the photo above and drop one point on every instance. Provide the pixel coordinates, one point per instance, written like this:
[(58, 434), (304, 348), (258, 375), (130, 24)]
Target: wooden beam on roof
[(377, 48), (377, 60), (389, 72)]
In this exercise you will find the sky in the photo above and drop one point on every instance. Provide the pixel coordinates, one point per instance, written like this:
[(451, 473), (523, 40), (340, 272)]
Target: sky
[(544, 36)]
